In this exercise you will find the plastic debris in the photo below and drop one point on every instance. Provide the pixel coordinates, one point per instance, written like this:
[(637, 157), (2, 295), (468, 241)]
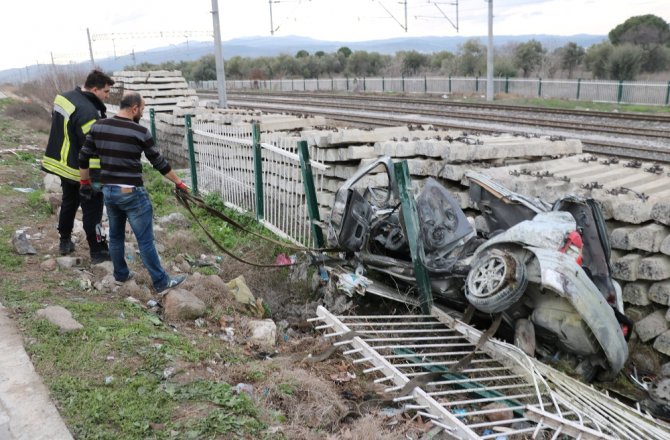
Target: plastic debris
[(351, 283), (283, 260), (244, 388)]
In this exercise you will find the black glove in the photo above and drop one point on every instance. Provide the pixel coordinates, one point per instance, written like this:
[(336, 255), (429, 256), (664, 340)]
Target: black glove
[(85, 190)]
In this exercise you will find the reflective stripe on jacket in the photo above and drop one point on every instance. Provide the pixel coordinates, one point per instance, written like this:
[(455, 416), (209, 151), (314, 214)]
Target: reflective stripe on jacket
[(73, 115)]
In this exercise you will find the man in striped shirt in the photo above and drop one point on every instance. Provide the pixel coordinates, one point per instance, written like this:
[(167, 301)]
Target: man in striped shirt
[(119, 143)]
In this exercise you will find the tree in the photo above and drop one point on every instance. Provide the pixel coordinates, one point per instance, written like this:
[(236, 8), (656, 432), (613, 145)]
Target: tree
[(597, 59), (319, 53), (205, 69), (471, 57), (363, 63), (344, 51), (302, 54), (571, 55), (624, 62), (412, 61), (642, 30), (504, 67), (528, 56)]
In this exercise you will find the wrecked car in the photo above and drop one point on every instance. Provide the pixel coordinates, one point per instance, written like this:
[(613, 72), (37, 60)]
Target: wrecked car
[(544, 267)]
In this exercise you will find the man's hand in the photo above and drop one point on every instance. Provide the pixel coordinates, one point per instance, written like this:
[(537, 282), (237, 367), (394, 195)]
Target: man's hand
[(181, 186), (85, 190)]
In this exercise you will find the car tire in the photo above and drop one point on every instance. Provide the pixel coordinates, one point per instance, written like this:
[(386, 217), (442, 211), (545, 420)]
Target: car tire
[(497, 279)]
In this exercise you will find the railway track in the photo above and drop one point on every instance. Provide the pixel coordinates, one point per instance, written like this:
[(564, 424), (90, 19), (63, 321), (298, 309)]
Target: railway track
[(631, 135)]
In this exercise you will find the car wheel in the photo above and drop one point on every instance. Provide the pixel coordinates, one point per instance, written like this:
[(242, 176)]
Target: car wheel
[(497, 279)]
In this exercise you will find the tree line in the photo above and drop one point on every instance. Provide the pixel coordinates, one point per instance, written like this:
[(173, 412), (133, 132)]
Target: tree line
[(639, 45)]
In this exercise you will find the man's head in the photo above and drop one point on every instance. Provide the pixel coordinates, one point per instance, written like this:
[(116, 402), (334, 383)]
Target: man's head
[(99, 84), (131, 106)]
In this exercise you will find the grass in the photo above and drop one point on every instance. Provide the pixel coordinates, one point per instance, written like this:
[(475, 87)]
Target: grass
[(109, 378)]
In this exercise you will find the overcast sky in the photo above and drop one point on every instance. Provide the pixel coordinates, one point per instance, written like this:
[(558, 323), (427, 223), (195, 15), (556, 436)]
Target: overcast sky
[(31, 31)]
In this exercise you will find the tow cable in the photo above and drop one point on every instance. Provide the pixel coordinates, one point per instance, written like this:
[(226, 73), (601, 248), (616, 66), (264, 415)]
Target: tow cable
[(186, 199)]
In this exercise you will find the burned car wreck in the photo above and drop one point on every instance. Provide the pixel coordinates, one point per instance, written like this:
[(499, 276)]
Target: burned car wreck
[(544, 267)]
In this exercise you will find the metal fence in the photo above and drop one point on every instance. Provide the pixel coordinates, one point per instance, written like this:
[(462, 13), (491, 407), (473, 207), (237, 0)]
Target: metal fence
[(622, 92), (268, 178)]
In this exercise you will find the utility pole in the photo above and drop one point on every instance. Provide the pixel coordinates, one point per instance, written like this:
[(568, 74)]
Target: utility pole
[(489, 56), (53, 73), (272, 26), (218, 56), (134, 60), (90, 48)]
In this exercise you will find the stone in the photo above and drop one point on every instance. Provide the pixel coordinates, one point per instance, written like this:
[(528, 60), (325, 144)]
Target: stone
[(176, 218), (651, 326), (637, 313), (654, 268), (182, 304), (22, 243), (660, 293), (502, 412), (52, 183), (645, 358), (69, 262), (665, 246), (263, 332), (626, 268), (636, 293), (662, 343), (61, 317), (665, 369), (48, 265)]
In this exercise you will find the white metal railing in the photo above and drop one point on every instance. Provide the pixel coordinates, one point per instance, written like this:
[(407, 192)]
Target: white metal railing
[(625, 92), (225, 165)]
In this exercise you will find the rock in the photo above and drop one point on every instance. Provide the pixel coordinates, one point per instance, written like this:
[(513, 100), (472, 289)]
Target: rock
[(263, 332), (52, 183), (176, 218), (636, 293), (651, 326), (660, 293), (662, 343), (48, 265), (108, 266), (238, 287), (645, 358), (502, 412), (107, 284), (69, 262), (61, 317), (181, 304), (665, 245), (22, 243), (638, 313), (665, 369)]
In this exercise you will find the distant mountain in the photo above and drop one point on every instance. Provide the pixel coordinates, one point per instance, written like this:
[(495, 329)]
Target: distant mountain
[(271, 46)]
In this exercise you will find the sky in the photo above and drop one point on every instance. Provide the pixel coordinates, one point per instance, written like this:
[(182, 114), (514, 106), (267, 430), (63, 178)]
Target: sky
[(33, 31)]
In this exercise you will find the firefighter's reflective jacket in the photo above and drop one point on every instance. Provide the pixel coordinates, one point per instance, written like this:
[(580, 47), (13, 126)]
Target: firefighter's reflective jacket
[(73, 115)]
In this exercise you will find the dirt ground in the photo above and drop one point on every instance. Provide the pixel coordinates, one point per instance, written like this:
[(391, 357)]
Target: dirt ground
[(331, 399)]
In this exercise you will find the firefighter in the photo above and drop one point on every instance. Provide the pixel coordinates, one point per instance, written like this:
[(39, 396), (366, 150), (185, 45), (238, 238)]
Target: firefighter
[(73, 114)]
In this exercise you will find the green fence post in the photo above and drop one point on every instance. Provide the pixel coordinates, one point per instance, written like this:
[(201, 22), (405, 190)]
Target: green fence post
[(191, 154), (383, 84), (292, 84), (425, 84), (476, 83), (411, 218), (619, 95), (152, 124), (507, 84), (347, 83), (310, 194), (539, 87), (579, 87), (403, 83), (667, 94), (364, 87), (449, 83), (258, 170), (332, 84), (304, 85)]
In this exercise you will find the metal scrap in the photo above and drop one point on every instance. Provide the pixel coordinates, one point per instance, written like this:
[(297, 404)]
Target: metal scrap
[(655, 169), (542, 174), (588, 159), (611, 161), (622, 190), (633, 164)]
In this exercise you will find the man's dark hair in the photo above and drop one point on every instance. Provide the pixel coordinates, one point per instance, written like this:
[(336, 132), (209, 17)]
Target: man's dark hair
[(98, 79), (130, 99)]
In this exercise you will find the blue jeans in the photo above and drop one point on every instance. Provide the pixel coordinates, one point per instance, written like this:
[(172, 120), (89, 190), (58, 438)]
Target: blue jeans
[(134, 206)]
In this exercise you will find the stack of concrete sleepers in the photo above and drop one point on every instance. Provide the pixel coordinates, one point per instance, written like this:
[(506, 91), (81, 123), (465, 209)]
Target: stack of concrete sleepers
[(163, 90), (635, 197)]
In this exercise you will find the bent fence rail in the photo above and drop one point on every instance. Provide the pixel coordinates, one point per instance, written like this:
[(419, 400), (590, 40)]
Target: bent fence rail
[(621, 92)]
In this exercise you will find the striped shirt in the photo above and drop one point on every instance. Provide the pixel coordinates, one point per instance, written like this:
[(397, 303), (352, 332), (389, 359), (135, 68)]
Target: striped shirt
[(119, 143)]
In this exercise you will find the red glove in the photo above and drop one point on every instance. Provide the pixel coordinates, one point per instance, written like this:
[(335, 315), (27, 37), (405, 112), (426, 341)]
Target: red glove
[(181, 186), (85, 190)]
